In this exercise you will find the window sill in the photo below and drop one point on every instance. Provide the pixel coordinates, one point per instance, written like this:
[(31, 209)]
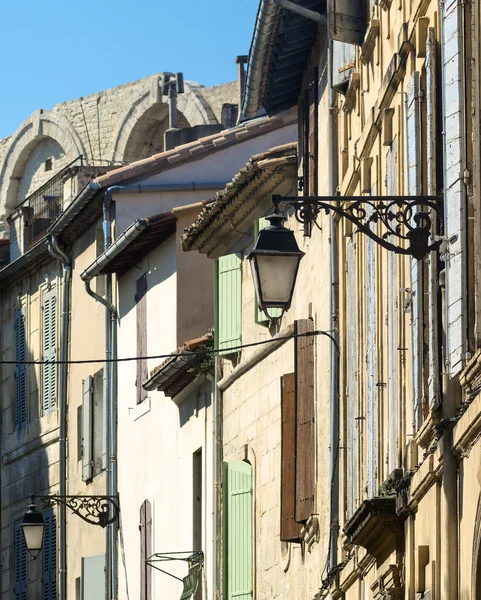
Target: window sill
[(135, 412)]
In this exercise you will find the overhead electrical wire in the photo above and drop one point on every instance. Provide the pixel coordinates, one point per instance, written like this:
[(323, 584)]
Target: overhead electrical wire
[(188, 353)]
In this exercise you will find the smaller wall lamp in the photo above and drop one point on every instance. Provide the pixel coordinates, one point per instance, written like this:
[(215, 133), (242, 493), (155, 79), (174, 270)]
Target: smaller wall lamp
[(96, 510)]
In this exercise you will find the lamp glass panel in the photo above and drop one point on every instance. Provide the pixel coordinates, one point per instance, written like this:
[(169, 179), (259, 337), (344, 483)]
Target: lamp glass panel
[(277, 277), (33, 534)]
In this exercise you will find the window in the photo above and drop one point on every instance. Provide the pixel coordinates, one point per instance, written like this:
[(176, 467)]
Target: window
[(20, 564), (49, 557), (49, 350), (298, 444), (229, 302), (48, 164), (93, 436), (145, 528), (237, 515), (20, 370), (260, 316), (141, 300)]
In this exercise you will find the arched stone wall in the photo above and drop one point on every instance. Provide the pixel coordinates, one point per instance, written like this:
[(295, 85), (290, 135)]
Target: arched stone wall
[(43, 124), (140, 131)]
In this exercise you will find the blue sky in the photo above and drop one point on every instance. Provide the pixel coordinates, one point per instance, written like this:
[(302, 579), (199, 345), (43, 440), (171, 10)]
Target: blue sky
[(58, 50)]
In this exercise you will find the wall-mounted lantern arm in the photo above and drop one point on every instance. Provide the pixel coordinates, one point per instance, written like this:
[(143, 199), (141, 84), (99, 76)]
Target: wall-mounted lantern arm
[(407, 220), (96, 510)]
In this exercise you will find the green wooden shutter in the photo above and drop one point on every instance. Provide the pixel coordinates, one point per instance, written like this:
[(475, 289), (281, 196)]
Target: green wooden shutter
[(260, 316), (229, 302), (20, 370), (237, 489), (49, 371), (20, 564), (87, 459), (49, 557)]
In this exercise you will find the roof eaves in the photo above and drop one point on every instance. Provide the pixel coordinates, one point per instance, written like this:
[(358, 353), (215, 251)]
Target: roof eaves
[(195, 151), (121, 244), (23, 261), (74, 208)]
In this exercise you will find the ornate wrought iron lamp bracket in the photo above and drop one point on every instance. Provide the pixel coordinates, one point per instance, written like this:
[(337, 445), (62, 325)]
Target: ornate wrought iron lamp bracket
[(96, 510), (409, 220)]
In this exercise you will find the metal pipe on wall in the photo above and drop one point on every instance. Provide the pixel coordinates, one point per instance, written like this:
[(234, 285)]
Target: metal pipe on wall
[(334, 315), (60, 255)]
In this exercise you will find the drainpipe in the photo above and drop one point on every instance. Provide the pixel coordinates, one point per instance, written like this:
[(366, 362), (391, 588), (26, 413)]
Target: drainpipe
[(60, 255), (111, 426), (334, 312)]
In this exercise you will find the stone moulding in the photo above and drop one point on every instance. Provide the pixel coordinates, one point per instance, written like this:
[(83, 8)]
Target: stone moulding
[(385, 4), (350, 99), (375, 525), (370, 41)]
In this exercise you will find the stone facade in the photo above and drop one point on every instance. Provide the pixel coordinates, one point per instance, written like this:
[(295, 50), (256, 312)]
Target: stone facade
[(112, 127)]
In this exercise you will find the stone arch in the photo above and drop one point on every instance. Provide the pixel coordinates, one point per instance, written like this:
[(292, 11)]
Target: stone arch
[(41, 125), (140, 131)]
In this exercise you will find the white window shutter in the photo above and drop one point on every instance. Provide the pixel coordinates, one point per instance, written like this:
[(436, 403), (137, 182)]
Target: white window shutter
[(454, 191), (372, 390), (433, 282), (87, 393), (93, 577), (417, 278), (20, 370), (393, 328), (352, 413), (49, 371)]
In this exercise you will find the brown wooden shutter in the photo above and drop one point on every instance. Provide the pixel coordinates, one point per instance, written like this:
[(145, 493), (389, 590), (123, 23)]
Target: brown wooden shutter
[(305, 432), (313, 133), (141, 300), (145, 528), (290, 530)]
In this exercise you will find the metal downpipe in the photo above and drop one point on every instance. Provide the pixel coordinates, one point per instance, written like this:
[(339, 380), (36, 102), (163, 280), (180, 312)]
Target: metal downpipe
[(334, 314), (60, 255)]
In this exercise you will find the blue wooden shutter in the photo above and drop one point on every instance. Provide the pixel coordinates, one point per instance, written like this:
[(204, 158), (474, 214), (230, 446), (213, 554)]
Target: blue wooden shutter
[(229, 302), (352, 413), (260, 315), (20, 370), (433, 283), (87, 458), (49, 334), (417, 276), (49, 557), (394, 455), (20, 564), (237, 491), (454, 189), (93, 577)]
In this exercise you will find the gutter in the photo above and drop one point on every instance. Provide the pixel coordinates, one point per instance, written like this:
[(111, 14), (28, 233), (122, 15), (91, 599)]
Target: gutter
[(266, 21), (60, 255)]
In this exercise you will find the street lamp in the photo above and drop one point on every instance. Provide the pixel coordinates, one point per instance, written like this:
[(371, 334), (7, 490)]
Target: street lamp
[(33, 527), (96, 510), (274, 263)]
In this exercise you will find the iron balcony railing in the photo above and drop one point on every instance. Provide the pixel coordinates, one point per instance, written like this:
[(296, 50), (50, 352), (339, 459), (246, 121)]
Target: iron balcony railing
[(43, 207)]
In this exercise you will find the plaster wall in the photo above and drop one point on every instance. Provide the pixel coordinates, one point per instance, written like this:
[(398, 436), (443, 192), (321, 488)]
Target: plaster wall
[(157, 438), (87, 327)]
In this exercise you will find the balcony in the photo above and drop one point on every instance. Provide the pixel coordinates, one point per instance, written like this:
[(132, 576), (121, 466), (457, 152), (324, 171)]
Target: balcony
[(44, 206)]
